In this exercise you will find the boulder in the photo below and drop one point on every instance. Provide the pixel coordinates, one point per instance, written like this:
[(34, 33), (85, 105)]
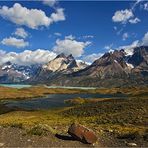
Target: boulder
[(82, 133), (131, 144)]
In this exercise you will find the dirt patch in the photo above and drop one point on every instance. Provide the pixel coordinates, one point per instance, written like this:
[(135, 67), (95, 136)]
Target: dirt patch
[(15, 137)]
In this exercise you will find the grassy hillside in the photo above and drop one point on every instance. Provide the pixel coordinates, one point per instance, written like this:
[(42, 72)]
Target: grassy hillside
[(40, 91), (122, 118)]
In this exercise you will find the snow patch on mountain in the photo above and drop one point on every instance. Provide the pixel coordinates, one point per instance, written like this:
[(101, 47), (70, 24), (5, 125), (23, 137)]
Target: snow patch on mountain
[(130, 65), (129, 51)]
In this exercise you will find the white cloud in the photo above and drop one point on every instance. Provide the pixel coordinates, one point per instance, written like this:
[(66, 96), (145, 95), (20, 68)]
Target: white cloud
[(135, 20), (125, 36), (50, 3), (128, 48), (146, 6), (134, 44), (71, 37), (57, 34), (122, 16), (142, 42), (70, 46), (27, 57), (92, 57), (58, 16), (20, 32), (145, 39), (32, 18), (11, 41), (88, 36)]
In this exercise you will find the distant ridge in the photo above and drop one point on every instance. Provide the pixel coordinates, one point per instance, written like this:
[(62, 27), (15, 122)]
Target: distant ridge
[(120, 68)]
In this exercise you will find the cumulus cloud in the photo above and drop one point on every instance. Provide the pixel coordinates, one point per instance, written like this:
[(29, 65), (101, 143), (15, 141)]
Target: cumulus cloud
[(70, 46), (27, 57), (142, 42), (125, 36), (11, 41), (135, 20), (58, 15), (32, 18), (20, 32), (132, 45), (92, 57), (124, 16), (145, 39), (50, 3)]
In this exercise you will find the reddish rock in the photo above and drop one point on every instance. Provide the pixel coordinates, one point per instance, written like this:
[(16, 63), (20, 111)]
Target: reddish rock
[(82, 133)]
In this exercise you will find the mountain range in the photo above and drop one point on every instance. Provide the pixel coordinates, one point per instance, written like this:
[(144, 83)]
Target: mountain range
[(119, 68), (14, 73)]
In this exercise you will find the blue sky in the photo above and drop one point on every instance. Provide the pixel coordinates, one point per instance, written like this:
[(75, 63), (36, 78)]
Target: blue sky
[(84, 28)]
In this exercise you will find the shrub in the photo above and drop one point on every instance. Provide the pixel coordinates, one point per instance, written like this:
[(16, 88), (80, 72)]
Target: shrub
[(37, 130)]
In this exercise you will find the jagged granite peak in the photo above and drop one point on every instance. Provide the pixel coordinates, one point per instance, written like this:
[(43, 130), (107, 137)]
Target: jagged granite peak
[(119, 68), (62, 63), (109, 58), (113, 69), (62, 55), (70, 57)]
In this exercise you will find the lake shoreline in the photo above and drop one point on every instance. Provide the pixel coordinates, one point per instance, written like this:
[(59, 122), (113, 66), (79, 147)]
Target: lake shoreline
[(116, 122)]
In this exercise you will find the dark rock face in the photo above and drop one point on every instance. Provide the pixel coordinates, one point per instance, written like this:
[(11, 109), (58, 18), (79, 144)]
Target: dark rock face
[(113, 69), (82, 133), (120, 68), (109, 65), (13, 73), (140, 56), (140, 61)]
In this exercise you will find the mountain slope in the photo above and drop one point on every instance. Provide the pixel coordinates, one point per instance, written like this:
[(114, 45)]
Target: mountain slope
[(121, 68), (61, 65), (13, 73), (113, 69)]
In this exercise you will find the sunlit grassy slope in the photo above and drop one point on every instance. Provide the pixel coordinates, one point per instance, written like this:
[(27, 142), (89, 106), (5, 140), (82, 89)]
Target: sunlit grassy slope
[(14, 93), (122, 117)]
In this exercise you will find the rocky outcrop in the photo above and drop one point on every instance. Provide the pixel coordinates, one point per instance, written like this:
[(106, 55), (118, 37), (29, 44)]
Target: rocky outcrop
[(57, 68), (14, 73), (82, 133), (120, 68)]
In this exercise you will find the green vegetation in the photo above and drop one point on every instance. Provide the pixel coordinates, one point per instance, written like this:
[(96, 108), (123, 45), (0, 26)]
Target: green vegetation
[(40, 91), (37, 130), (125, 118), (80, 101)]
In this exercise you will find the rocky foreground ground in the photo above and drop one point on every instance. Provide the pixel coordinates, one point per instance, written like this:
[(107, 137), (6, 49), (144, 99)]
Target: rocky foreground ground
[(116, 122), (16, 137)]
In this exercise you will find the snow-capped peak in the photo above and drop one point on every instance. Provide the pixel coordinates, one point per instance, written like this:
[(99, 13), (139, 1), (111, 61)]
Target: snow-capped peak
[(129, 51)]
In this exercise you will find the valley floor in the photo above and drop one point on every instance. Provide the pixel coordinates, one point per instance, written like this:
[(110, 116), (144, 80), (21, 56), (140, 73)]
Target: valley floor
[(117, 122)]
